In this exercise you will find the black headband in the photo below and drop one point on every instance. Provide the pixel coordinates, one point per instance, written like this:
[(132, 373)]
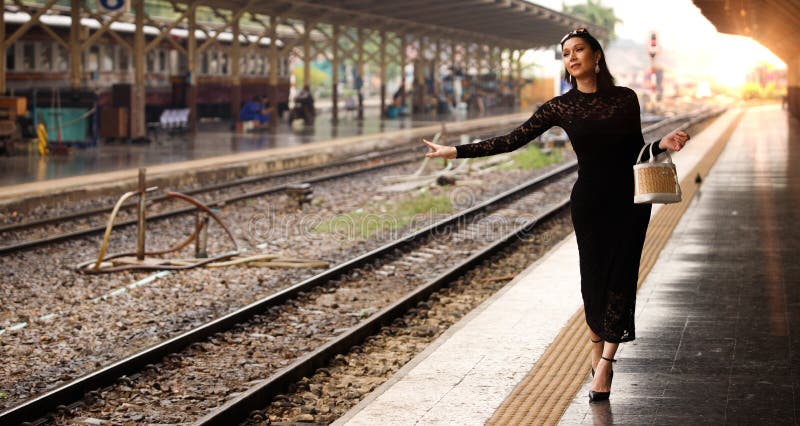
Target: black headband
[(584, 34)]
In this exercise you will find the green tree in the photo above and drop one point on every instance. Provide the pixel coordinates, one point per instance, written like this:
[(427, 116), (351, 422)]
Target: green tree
[(597, 14), (318, 77)]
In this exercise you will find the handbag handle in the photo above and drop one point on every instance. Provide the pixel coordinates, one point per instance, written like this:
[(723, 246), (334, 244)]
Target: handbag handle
[(652, 158)]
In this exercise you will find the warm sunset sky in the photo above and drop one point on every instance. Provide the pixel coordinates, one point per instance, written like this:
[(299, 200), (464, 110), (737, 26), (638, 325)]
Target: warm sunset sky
[(687, 34)]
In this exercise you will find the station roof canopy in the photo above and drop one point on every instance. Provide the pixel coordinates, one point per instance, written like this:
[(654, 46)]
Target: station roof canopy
[(773, 23), (506, 23)]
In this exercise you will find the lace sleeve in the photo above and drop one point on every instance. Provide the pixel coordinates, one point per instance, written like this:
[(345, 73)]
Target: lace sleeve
[(541, 120), (656, 149)]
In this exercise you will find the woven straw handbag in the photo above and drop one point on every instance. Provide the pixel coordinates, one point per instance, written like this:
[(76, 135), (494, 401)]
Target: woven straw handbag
[(655, 182)]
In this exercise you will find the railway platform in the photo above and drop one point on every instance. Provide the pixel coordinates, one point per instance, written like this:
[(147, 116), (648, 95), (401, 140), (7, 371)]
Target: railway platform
[(217, 153), (717, 314)]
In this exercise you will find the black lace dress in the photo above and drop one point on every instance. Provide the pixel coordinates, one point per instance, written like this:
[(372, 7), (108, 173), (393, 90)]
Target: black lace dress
[(605, 131)]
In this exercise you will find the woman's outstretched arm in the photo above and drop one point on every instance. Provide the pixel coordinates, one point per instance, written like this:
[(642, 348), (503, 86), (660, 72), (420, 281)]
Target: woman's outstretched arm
[(541, 120)]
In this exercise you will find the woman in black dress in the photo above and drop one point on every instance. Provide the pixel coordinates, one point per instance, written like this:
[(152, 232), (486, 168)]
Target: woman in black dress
[(604, 126)]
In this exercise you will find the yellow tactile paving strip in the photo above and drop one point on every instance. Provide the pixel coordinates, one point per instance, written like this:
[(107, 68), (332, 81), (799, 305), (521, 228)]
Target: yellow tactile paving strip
[(543, 395)]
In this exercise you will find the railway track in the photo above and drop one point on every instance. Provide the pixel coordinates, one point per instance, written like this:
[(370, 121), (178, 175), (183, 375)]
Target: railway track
[(404, 250), (317, 174), (133, 365)]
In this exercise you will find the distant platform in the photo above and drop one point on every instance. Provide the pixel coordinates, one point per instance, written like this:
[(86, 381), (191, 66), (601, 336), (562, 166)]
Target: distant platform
[(222, 155), (212, 139)]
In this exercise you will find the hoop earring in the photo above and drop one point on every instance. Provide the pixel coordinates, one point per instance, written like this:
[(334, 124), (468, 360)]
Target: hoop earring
[(597, 68)]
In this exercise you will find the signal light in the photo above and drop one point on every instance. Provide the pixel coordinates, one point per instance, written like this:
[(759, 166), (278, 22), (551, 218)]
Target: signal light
[(653, 45)]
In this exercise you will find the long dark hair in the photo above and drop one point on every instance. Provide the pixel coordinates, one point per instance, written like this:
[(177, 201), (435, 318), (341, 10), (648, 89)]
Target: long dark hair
[(604, 78)]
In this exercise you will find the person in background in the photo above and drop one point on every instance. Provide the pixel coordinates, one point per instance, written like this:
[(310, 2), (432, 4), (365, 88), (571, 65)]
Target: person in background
[(253, 110), (306, 100)]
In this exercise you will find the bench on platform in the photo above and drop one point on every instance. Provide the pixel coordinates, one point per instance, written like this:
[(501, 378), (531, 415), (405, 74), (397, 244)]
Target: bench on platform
[(175, 119)]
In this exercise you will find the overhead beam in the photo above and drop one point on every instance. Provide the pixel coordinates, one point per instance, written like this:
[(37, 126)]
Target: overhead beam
[(163, 32), (27, 25), (346, 17), (381, 19)]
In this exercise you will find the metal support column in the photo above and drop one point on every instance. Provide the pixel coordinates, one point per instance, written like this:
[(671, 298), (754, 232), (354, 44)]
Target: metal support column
[(360, 71), (403, 64), (75, 45), (191, 60), (509, 74), (307, 54), (495, 64), (490, 60), (480, 59), (467, 59), (273, 71), (236, 72), (335, 74), (382, 60), (418, 87), (437, 63), (498, 68), (512, 75), (453, 71), (138, 129), (453, 52)]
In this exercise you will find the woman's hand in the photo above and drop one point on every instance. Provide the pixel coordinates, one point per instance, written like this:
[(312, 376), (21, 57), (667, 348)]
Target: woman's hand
[(440, 151), (674, 141)]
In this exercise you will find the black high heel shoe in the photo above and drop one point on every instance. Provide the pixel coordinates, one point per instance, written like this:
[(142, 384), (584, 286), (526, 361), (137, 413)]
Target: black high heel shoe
[(602, 396)]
